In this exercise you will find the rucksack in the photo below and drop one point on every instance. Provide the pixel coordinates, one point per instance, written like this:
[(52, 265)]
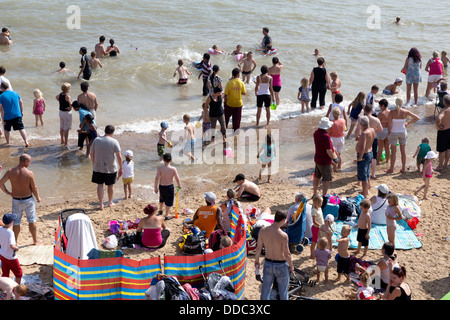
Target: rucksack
[(215, 237), (346, 209), (194, 244)]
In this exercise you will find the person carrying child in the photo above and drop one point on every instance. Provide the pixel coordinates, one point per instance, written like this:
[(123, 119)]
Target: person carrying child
[(38, 106), (343, 262), (322, 255), (364, 225), (427, 173), (128, 173), (303, 94), (421, 152)]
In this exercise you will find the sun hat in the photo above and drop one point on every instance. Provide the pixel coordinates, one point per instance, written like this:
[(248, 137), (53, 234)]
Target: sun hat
[(431, 155), (210, 197), (128, 153), (8, 218), (398, 80), (329, 217), (325, 123), (164, 125), (382, 188)]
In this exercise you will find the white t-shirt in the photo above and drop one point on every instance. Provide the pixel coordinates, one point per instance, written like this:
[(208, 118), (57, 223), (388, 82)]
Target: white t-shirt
[(334, 105), (6, 240), (128, 169), (3, 79)]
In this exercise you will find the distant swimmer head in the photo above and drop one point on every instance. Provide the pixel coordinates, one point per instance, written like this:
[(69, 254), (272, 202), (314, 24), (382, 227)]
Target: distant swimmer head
[(62, 64), (164, 125)]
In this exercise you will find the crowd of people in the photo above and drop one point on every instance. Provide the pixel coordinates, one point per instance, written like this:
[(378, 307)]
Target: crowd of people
[(221, 103)]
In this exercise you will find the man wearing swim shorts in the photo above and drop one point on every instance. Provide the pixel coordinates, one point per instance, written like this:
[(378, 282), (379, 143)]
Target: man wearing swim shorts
[(107, 164), (246, 190), (364, 152), (23, 188), (443, 134)]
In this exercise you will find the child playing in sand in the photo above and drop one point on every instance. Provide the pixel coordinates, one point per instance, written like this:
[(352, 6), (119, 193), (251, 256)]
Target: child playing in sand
[(161, 146), (38, 106), (183, 73), (392, 88), (247, 68), (266, 154), (393, 213), (164, 185), (427, 173), (343, 262), (188, 137), (95, 62), (335, 85), (354, 110), (322, 255), (421, 152), (317, 219), (303, 94), (364, 224), (128, 173)]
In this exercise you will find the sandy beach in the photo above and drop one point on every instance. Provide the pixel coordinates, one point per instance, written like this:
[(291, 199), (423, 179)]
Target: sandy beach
[(428, 273)]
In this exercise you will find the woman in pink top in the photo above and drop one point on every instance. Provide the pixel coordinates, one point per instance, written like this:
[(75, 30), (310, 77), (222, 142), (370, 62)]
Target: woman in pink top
[(435, 70), (337, 134), (152, 232), (275, 72)]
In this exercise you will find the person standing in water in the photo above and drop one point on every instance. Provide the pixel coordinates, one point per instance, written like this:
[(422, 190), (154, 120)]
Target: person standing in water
[(85, 68), (275, 72)]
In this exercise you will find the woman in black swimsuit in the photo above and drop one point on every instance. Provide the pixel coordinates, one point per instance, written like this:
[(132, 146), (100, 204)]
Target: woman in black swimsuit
[(112, 49), (319, 80), (397, 288)]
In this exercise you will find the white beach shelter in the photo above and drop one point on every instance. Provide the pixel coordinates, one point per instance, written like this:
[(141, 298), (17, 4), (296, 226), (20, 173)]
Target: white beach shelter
[(80, 236)]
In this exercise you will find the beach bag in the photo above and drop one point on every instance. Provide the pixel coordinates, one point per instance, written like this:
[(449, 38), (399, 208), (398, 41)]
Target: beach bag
[(330, 206), (347, 209), (194, 244), (215, 237), (110, 242)]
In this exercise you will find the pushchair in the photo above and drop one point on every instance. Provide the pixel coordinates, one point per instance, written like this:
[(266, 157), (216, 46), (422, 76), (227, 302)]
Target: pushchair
[(298, 279), (219, 286), (64, 215), (296, 229)]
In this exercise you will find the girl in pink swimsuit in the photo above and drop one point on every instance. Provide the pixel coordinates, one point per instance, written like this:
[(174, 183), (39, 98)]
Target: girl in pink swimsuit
[(38, 106), (275, 71), (427, 173)]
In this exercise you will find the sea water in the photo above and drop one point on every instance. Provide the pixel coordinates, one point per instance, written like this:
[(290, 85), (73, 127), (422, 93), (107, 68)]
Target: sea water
[(136, 90)]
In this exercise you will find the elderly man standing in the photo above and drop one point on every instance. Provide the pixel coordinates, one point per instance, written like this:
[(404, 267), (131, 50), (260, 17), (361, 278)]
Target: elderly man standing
[(23, 187), (324, 156), (443, 134), (11, 108), (107, 164)]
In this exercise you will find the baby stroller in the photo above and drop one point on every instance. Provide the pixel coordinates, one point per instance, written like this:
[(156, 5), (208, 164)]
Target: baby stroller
[(298, 279), (65, 214), (218, 285), (296, 229)]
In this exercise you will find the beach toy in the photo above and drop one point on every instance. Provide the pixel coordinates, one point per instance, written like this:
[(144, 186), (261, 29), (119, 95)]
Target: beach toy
[(239, 56), (176, 204), (273, 106), (412, 223), (170, 144), (198, 125), (188, 211), (114, 226)]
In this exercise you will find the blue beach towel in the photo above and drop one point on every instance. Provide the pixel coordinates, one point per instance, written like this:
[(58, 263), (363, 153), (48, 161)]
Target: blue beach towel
[(405, 238)]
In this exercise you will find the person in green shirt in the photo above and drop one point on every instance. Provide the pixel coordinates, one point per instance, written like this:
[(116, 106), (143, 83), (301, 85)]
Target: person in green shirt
[(421, 152), (234, 90)]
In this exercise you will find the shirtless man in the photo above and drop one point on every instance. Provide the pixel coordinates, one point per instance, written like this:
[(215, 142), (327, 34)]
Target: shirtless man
[(364, 152), (246, 190), (100, 51), (443, 134), (23, 187), (5, 39), (277, 263), (164, 184), (88, 98), (247, 69), (375, 124)]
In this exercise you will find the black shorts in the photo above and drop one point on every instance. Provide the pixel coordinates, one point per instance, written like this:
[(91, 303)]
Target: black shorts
[(361, 237), (166, 195), (104, 178), (276, 88), (247, 196), (442, 141), (15, 123), (375, 148), (343, 265), (263, 99)]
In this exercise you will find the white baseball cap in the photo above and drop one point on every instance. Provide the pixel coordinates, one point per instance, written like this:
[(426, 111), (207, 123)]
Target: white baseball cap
[(128, 153), (382, 188), (210, 197)]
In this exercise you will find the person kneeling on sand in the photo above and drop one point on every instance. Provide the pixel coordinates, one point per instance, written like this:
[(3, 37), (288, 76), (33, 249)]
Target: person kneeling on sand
[(152, 232), (246, 190), (208, 218)]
